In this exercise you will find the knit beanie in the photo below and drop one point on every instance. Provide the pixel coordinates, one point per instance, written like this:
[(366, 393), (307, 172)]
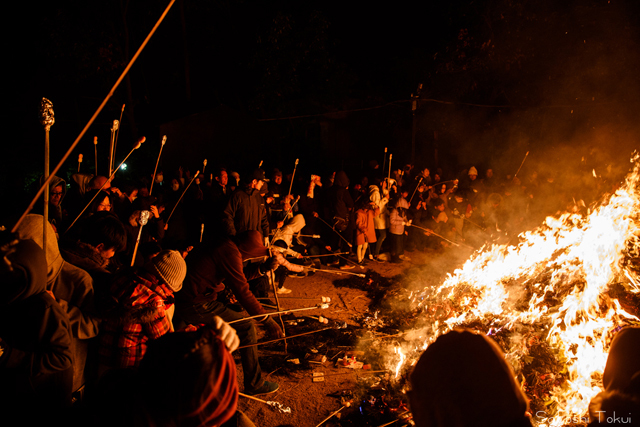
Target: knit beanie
[(473, 171), (170, 266)]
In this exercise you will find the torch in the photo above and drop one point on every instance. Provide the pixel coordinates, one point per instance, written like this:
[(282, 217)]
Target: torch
[(204, 166), (47, 119), (79, 161), (164, 140), (142, 220)]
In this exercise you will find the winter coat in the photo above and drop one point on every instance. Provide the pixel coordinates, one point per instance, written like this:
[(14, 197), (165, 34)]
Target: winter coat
[(365, 231), (72, 286), (35, 347), (338, 197), (398, 217), (211, 264), (463, 380), (246, 211), (381, 220), (138, 314)]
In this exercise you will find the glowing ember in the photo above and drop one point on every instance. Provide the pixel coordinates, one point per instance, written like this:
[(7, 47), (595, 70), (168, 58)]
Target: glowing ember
[(548, 301)]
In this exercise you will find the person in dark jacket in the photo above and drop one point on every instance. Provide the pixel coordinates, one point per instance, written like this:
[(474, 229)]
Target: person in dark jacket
[(246, 209), (463, 380), (201, 298), (621, 381), (36, 360), (340, 213)]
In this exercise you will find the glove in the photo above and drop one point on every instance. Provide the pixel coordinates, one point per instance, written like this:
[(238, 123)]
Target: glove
[(270, 264), (226, 333), (273, 329)]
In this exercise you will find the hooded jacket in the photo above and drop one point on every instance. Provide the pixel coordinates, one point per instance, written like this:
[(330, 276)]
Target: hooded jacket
[(381, 220), (338, 197), (214, 263), (72, 286), (463, 380), (55, 212), (34, 330)]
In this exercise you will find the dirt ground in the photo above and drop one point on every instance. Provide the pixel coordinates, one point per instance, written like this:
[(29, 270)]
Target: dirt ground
[(312, 402)]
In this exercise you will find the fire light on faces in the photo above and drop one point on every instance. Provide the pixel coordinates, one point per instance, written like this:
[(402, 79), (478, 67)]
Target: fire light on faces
[(553, 286)]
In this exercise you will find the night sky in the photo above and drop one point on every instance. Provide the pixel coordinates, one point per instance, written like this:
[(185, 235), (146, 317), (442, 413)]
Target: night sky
[(500, 78)]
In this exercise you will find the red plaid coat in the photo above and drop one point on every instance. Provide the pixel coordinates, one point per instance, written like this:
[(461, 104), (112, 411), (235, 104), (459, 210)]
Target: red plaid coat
[(138, 316)]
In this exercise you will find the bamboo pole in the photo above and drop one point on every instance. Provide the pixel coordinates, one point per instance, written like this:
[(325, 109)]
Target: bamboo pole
[(47, 119), (293, 176), (95, 150), (181, 196), (164, 140)]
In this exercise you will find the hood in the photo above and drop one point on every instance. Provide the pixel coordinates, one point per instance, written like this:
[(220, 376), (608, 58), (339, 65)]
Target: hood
[(341, 179), (29, 276), (462, 379), (80, 182), (623, 361), (402, 203), (56, 180), (31, 228), (250, 245)]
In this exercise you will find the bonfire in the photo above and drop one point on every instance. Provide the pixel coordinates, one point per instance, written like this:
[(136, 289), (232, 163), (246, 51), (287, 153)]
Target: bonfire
[(553, 302)]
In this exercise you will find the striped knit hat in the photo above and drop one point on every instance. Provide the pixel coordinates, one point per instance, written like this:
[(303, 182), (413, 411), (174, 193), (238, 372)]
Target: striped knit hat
[(171, 268)]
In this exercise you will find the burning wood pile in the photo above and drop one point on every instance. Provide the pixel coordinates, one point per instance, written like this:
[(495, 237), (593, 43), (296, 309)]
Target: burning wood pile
[(552, 302)]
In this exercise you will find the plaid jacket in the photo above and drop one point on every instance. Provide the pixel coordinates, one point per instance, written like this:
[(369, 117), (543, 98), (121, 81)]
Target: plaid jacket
[(137, 316)]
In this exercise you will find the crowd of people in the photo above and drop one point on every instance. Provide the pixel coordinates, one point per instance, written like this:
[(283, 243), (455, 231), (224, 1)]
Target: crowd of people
[(130, 298)]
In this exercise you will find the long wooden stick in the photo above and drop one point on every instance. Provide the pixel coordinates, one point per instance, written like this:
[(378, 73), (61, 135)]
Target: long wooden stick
[(334, 230), (273, 313), (181, 196), (275, 294), (525, 158), (294, 175), (47, 120), (280, 339), (323, 299), (331, 416), (253, 398), (384, 161), (164, 141), (115, 143), (337, 272), (112, 150), (95, 151), (93, 118), (135, 147), (415, 189), (437, 235), (317, 256)]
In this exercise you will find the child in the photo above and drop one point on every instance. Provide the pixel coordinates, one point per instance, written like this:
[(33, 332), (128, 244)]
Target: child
[(398, 218), (365, 231)]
